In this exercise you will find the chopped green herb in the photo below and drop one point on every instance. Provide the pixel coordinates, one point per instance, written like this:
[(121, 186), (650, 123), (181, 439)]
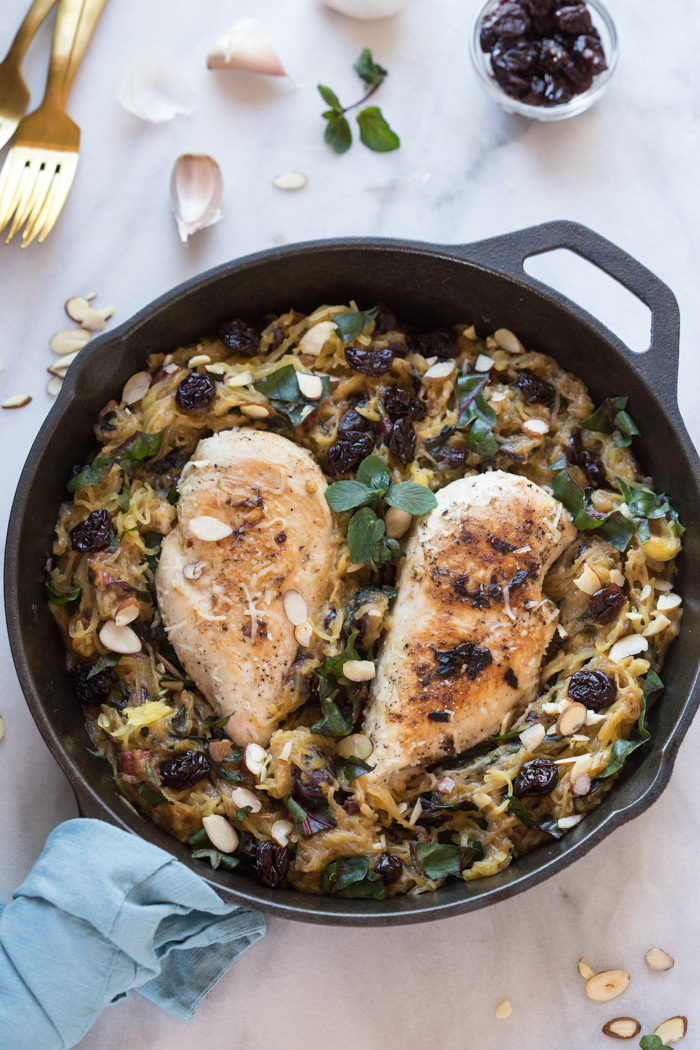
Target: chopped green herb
[(351, 325), (652, 1042), (110, 660), (216, 858), (476, 415), (124, 501), (140, 446), (610, 416), (151, 790), (92, 475), (652, 689), (614, 526), (58, 597), (646, 506)]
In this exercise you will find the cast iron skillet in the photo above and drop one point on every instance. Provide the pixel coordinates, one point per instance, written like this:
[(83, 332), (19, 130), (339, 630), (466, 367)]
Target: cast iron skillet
[(426, 285)]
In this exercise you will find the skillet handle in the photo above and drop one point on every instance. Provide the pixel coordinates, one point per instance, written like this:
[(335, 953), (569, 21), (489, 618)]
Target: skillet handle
[(658, 364)]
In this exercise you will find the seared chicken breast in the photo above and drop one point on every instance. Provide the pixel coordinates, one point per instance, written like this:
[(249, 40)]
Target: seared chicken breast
[(469, 627), (222, 600)]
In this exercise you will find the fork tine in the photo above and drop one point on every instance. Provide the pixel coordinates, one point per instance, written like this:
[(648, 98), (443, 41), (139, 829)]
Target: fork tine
[(41, 221), (15, 176), (38, 201), (33, 195), (60, 187)]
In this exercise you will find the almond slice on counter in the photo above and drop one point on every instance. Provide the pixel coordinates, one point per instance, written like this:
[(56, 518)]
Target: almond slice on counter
[(53, 387), (222, 835), (295, 608), (290, 180), (584, 969), (18, 401), (571, 719), (607, 984), (80, 310), (136, 387), (509, 341), (622, 1028), (504, 1010), (658, 959), (671, 1030), (209, 529), (69, 340)]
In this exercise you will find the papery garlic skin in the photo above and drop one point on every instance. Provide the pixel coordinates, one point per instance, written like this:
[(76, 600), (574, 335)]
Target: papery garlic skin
[(366, 9), (240, 48), (196, 192), (151, 86)]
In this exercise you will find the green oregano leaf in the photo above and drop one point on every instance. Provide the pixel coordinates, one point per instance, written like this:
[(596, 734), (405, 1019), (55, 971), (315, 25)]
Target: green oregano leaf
[(369, 70), (652, 1042), (374, 472), (110, 660), (351, 325), (346, 495), (375, 133), (58, 597), (415, 499), (329, 97)]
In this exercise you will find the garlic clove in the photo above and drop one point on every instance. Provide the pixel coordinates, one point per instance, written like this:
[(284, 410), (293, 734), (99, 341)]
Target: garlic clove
[(366, 9), (196, 192), (151, 86), (241, 48)]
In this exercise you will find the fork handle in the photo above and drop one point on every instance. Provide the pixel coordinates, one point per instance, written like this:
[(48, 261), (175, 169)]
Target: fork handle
[(32, 20), (75, 22)]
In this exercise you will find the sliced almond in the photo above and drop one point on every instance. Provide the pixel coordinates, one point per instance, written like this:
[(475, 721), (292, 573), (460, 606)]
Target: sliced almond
[(668, 601), (439, 372), (280, 832), (70, 340), (2, 729), (671, 1030), (222, 835), (256, 410), (481, 799), (470, 332), (80, 310), (255, 759), (193, 570), (588, 581), (581, 765), (483, 363), (310, 386), (244, 797), (581, 784), (303, 634), (584, 969), (359, 670), (127, 611), (657, 625), (357, 744), (290, 180), (119, 639), (663, 585), (507, 340), (630, 645), (571, 719), (209, 529), (295, 608), (658, 959), (136, 388), (53, 387), (535, 427), (286, 751), (242, 379), (217, 369), (504, 1010), (313, 341), (397, 522), (533, 736), (606, 985), (18, 401), (570, 822), (220, 749), (445, 785), (593, 718), (617, 577), (622, 1028), (199, 359), (171, 369)]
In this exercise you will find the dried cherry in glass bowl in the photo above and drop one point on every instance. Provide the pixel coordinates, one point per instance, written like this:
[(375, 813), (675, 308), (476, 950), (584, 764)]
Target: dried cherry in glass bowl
[(578, 103)]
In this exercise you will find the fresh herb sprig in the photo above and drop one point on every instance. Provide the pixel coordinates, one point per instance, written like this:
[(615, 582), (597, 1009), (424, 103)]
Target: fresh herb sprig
[(366, 496), (375, 133), (645, 506)]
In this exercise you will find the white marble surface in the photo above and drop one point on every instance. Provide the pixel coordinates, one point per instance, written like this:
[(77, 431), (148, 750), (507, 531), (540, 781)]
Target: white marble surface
[(464, 171)]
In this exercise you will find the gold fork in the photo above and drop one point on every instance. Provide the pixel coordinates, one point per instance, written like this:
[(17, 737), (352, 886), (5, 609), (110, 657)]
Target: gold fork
[(39, 170), (14, 94)]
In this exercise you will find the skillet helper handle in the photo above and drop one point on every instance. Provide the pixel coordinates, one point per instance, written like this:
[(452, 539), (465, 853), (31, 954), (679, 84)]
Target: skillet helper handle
[(659, 364), (75, 22), (32, 20)]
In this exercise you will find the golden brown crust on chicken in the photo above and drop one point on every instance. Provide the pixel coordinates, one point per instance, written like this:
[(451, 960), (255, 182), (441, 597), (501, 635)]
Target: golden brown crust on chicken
[(228, 624), (469, 626)]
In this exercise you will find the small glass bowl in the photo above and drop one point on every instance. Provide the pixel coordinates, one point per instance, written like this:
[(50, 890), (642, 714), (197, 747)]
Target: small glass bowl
[(603, 22)]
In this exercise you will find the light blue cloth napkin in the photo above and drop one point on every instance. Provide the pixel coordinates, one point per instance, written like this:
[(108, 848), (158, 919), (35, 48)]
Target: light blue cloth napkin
[(102, 912)]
